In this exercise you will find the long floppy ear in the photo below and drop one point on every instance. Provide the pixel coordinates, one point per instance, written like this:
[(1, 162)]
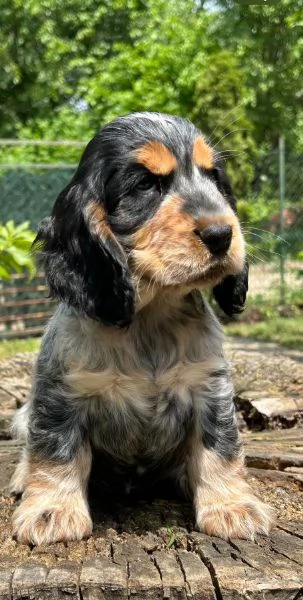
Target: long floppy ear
[(85, 265), (231, 293)]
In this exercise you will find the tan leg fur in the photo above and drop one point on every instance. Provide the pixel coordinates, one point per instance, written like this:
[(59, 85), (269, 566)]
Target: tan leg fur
[(54, 505), (17, 483), (225, 505)]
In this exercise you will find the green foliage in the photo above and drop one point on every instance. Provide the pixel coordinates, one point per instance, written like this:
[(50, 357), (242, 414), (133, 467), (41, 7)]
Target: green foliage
[(69, 67), (47, 47), (282, 330), (268, 41), (65, 126), (219, 108), (15, 245), (10, 348), (257, 210), (148, 71), (98, 60), (172, 538), (255, 214)]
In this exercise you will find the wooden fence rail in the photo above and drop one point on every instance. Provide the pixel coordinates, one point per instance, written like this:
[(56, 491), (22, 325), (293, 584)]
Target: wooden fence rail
[(24, 306)]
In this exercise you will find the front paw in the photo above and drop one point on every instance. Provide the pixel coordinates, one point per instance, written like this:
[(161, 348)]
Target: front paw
[(35, 524), (242, 518)]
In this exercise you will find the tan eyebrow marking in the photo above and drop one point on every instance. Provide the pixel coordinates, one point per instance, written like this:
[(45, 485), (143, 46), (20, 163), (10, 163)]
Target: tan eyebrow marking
[(158, 159), (203, 155)]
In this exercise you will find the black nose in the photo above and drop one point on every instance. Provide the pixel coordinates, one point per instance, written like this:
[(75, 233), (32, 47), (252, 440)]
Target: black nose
[(217, 238)]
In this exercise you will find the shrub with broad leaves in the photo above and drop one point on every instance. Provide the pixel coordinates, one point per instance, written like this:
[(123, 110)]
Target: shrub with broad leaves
[(15, 249)]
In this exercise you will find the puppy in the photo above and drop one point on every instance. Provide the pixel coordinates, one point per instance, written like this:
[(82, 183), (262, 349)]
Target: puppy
[(131, 365)]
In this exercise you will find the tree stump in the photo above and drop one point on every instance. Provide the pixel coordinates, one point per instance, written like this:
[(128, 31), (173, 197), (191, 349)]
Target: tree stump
[(151, 550)]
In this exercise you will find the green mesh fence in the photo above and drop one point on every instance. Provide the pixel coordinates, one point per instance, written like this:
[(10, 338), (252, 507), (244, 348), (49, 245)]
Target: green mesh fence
[(28, 194), (274, 233)]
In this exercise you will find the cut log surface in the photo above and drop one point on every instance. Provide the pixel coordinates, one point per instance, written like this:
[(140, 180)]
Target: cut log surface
[(274, 449), (150, 549)]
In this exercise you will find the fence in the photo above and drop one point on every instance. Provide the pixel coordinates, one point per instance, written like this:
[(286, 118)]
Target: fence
[(24, 306), (275, 239), (33, 173)]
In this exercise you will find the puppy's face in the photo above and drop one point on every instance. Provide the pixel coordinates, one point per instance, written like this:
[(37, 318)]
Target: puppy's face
[(168, 207), (149, 202)]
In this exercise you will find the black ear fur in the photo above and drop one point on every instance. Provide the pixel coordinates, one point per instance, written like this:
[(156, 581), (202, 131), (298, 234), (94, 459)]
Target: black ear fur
[(231, 292), (83, 270)]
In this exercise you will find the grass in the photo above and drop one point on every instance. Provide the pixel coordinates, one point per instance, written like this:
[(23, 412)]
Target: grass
[(287, 331), (172, 538), (9, 348)]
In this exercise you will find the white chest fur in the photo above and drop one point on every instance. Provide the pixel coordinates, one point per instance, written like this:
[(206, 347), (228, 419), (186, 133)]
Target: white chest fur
[(138, 385), (141, 384)]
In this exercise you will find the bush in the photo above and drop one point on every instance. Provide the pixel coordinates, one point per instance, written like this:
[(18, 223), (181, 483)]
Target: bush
[(15, 249)]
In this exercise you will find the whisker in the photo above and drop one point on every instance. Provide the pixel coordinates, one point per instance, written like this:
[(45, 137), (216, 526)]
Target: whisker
[(261, 237), (266, 253), (253, 259), (229, 133), (277, 237), (227, 123), (228, 151), (223, 155)]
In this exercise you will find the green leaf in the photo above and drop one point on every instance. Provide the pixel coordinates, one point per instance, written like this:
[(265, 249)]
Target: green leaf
[(15, 246), (4, 274)]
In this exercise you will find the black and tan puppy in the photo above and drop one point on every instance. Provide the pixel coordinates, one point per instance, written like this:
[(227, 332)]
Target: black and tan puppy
[(131, 365)]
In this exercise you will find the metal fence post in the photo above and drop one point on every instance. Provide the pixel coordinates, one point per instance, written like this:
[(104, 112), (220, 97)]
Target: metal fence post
[(282, 208)]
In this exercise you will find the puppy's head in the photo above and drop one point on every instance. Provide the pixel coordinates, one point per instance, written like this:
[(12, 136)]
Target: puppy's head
[(148, 203)]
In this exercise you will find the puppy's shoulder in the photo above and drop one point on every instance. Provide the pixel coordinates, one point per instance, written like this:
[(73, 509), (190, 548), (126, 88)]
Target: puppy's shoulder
[(64, 337)]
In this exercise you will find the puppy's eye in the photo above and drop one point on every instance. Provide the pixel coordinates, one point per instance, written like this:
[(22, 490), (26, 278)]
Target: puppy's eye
[(147, 183)]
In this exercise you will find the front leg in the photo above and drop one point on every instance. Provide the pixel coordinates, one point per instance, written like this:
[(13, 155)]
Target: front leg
[(225, 505), (54, 470), (54, 506)]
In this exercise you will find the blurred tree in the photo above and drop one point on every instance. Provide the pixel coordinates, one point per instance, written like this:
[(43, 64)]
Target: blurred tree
[(219, 107), (268, 41), (156, 68), (47, 46), (78, 69), (68, 68)]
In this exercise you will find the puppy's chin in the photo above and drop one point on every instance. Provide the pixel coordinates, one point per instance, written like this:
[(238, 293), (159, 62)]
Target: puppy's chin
[(217, 270), (209, 276)]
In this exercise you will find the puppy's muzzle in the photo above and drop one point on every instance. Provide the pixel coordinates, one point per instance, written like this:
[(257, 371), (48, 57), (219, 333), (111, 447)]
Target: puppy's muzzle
[(217, 238)]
